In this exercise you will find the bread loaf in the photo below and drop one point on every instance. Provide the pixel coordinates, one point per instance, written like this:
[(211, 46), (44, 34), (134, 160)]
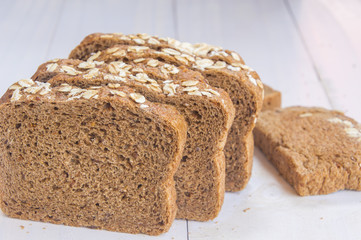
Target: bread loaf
[(101, 157), (272, 98), (208, 111), (222, 68), (317, 151)]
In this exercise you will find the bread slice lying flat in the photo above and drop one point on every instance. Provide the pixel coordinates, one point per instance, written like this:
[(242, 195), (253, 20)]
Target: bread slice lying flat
[(100, 157), (208, 111), (222, 68), (317, 151)]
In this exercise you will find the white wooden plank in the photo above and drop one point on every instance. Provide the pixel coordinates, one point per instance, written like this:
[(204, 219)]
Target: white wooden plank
[(270, 209), (34, 34), (10, 229), (81, 18), (331, 30), (263, 33), (27, 30)]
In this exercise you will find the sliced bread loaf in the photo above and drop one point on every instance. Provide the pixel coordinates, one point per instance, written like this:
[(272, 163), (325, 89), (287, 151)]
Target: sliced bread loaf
[(317, 151), (272, 98), (208, 111), (60, 163), (222, 69)]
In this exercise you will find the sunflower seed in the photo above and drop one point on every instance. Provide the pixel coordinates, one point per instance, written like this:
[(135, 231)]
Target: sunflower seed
[(153, 63), (92, 73), (171, 51), (212, 91), (137, 48), (218, 65), (119, 93), (139, 41), (170, 89), (196, 93), (119, 53), (25, 82), (232, 68), (305, 115), (86, 65), (138, 98), (190, 83), (113, 85), (16, 95), (190, 89), (181, 59), (70, 70), (94, 56), (203, 63), (32, 90), (65, 88), (154, 88), (235, 56), (51, 67), (153, 41), (106, 36), (208, 94), (112, 50), (89, 94), (138, 60)]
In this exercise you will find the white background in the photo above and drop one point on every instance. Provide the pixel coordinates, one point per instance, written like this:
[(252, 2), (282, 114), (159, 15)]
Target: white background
[(310, 50)]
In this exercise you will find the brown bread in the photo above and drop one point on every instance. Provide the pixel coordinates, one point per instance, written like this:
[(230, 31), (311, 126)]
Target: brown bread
[(208, 111), (222, 69), (100, 157), (272, 98), (317, 151)]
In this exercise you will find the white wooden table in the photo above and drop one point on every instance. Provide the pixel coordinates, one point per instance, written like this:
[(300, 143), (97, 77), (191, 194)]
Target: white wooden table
[(310, 50)]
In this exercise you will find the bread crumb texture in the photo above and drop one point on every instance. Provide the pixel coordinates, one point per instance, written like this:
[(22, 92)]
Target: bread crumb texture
[(89, 156), (220, 67), (317, 151)]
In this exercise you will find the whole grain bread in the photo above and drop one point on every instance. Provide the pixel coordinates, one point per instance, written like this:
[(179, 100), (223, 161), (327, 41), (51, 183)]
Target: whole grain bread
[(317, 151), (222, 68), (60, 163), (208, 111), (272, 98)]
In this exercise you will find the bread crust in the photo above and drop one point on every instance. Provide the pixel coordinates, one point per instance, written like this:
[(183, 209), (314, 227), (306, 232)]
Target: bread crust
[(226, 70), (317, 151), (200, 176), (272, 98), (42, 181)]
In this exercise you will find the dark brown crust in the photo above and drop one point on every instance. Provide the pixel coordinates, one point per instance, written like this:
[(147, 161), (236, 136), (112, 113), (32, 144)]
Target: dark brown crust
[(6, 97), (80, 51), (246, 98), (311, 148), (163, 114), (192, 203)]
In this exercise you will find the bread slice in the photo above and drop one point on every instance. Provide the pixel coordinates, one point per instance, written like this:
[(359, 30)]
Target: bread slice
[(317, 151), (101, 157), (222, 69), (208, 111), (272, 98), (271, 101)]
